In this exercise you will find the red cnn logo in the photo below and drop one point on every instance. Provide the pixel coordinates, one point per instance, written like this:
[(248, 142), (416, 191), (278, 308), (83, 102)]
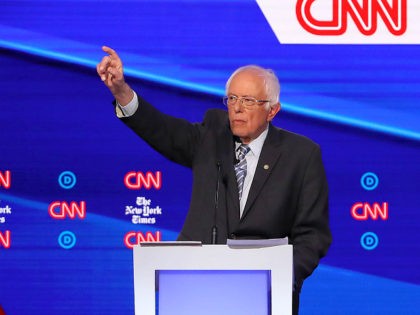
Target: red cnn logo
[(132, 239), (59, 210), (365, 16), (363, 211), (5, 179), (137, 180), (5, 239)]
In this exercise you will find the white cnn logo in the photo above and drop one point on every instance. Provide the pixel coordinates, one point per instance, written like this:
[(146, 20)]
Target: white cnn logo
[(343, 21)]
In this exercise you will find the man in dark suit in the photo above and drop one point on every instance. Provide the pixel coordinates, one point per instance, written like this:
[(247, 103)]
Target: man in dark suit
[(271, 182)]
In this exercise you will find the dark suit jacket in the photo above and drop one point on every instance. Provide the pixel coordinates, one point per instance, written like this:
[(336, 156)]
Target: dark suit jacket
[(288, 195)]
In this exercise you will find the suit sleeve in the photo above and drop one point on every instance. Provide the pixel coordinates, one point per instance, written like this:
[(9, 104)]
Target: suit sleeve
[(175, 138), (311, 236)]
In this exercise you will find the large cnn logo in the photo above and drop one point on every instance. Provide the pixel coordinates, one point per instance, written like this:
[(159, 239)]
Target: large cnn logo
[(343, 21), (364, 16)]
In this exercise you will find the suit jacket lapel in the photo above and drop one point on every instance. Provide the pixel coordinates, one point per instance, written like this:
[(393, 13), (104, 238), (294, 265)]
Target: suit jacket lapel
[(226, 154), (269, 156)]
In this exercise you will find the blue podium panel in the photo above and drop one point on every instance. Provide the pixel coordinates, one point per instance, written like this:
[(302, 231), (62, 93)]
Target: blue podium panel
[(208, 292)]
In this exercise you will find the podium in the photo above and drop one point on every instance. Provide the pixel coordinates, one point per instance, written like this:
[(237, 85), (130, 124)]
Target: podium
[(191, 278)]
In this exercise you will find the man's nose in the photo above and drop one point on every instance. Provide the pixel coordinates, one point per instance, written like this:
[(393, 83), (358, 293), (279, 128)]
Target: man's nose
[(238, 107)]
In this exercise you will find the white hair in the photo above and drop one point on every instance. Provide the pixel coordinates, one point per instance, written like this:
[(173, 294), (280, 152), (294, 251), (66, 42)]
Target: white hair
[(271, 82)]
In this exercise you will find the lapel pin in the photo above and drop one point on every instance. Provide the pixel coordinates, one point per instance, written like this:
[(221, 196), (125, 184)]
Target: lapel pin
[(266, 166)]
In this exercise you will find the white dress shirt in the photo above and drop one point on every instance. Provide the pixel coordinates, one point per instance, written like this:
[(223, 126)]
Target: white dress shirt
[(251, 165)]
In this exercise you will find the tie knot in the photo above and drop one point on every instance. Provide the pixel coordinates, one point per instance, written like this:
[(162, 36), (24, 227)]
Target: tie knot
[(242, 151)]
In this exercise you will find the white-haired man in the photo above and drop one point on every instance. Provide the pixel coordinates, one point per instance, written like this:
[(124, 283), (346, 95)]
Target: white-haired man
[(273, 182)]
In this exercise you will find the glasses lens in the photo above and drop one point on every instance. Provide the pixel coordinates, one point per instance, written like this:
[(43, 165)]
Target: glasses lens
[(232, 99), (249, 101)]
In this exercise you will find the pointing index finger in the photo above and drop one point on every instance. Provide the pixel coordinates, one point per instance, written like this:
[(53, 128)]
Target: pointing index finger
[(109, 51)]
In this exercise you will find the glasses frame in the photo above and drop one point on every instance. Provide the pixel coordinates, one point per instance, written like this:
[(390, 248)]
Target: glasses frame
[(241, 100)]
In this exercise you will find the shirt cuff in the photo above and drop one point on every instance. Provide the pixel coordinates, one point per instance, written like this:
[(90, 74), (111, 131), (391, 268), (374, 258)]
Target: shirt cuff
[(129, 109)]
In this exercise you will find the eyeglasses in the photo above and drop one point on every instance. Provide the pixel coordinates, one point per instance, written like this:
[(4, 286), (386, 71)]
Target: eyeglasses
[(247, 101)]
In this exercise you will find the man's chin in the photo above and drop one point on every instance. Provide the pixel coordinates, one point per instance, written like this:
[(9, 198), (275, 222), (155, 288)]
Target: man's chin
[(238, 130), (238, 134)]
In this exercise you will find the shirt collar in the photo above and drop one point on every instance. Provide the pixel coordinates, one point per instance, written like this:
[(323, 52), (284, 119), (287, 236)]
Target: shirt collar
[(256, 144)]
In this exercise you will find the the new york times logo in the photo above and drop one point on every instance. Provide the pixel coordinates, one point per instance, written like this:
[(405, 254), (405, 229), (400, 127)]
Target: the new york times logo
[(143, 212)]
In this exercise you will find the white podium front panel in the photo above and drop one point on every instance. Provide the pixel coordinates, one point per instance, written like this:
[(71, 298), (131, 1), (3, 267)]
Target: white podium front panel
[(270, 268)]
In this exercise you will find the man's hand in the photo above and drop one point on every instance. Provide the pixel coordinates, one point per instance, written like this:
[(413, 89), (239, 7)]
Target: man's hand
[(110, 70)]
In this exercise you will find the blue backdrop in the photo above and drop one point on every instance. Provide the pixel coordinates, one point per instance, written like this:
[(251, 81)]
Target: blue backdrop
[(61, 142)]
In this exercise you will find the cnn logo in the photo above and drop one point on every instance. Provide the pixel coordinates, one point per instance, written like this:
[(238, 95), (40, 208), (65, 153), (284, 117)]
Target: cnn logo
[(61, 210), (343, 21), (365, 16), (362, 211), (138, 180), (132, 238)]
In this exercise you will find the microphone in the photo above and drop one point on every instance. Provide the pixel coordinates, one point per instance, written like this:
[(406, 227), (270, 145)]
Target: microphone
[(216, 204)]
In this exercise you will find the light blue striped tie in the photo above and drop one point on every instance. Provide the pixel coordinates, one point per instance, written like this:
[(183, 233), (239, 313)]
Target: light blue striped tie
[(240, 167)]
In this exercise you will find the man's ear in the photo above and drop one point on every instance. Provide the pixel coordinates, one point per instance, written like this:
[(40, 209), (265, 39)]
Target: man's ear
[(274, 109)]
